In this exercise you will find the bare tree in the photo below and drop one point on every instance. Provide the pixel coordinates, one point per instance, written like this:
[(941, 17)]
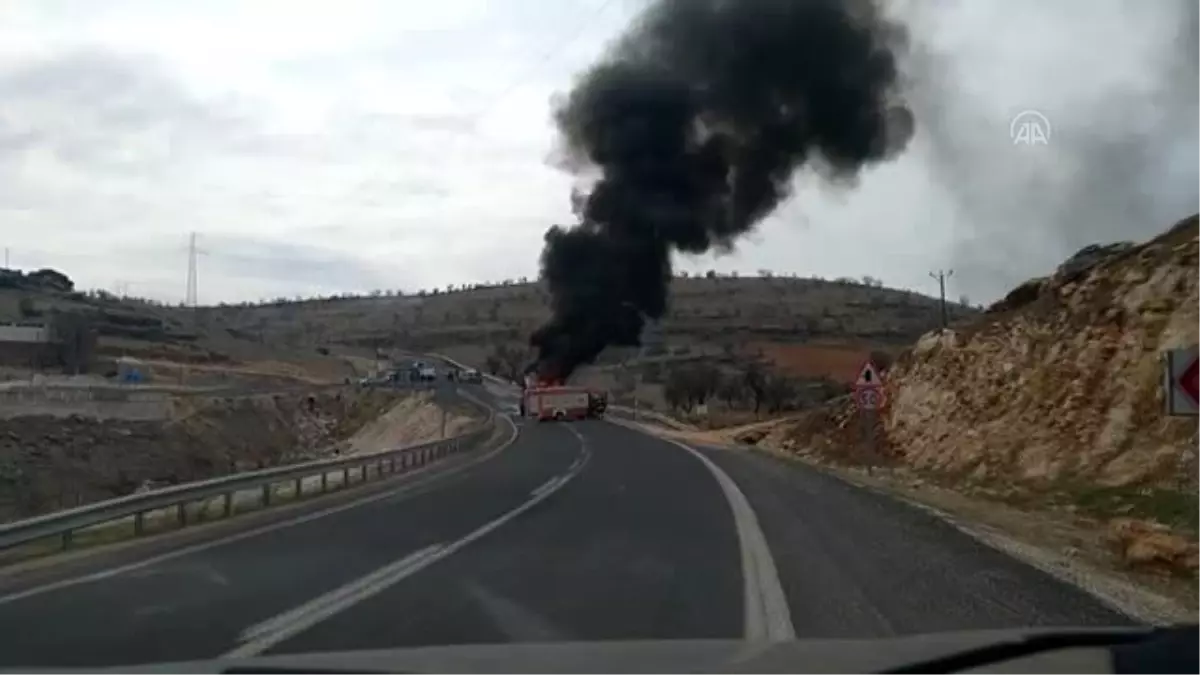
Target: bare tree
[(731, 390), (755, 380), (779, 393)]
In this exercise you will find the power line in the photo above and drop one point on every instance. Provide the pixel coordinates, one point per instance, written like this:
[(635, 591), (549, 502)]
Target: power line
[(544, 59)]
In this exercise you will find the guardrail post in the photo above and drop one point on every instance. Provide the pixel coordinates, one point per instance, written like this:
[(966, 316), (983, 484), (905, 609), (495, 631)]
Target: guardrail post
[(379, 468), (266, 494), (346, 477), (139, 523), (227, 504), (299, 487), (181, 513), (66, 539), (324, 481)]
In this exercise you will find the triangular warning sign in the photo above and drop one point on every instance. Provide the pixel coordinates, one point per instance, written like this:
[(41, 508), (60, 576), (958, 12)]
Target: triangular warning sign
[(868, 376)]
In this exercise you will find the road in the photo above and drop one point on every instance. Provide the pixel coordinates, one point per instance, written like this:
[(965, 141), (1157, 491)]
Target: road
[(580, 531)]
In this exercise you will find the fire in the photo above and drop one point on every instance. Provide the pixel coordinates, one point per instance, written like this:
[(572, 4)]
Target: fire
[(533, 381)]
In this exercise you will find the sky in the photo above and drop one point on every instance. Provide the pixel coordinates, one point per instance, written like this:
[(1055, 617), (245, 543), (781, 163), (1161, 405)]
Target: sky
[(326, 147)]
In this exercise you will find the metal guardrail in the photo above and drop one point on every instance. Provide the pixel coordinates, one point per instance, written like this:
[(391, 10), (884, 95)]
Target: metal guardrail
[(386, 463)]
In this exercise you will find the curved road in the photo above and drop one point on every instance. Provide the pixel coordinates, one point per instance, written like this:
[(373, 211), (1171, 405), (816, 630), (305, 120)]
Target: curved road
[(587, 531)]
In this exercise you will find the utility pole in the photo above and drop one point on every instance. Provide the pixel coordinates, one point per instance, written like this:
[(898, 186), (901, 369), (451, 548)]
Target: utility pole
[(6, 265), (941, 276)]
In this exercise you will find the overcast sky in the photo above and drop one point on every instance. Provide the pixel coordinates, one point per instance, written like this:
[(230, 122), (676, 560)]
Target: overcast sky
[(348, 145)]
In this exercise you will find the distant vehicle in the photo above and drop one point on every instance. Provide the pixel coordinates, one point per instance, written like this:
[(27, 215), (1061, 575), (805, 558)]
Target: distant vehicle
[(470, 376), (427, 373)]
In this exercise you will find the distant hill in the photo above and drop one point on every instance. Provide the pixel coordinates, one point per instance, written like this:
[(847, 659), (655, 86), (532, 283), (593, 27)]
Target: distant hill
[(708, 315), (808, 325)]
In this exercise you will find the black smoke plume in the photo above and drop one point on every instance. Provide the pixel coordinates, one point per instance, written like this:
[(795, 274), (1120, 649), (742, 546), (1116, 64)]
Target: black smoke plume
[(695, 121)]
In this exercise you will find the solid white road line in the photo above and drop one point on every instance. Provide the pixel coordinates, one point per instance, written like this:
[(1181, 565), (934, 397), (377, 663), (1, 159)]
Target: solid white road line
[(402, 491), (767, 617), (548, 485), (267, 634)]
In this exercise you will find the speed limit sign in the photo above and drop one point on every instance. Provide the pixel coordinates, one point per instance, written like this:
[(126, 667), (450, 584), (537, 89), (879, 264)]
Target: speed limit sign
[(869, 398)]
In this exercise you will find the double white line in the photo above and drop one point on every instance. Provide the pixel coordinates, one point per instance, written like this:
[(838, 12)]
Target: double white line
[(266, 634)]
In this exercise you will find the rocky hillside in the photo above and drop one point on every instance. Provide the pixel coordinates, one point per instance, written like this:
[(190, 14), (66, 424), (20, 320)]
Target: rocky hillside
[(1052, 395), (1061, 381)]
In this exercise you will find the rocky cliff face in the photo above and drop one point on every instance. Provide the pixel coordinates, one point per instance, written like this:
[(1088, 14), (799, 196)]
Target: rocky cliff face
[(1060, 382), (1052, 398)]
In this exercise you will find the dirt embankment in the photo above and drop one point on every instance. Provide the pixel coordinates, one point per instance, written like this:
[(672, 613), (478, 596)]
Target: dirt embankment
[(47, 463), (414, 420)]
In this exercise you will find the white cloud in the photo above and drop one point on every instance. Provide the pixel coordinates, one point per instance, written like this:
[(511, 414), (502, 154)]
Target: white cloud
[(326, 146)]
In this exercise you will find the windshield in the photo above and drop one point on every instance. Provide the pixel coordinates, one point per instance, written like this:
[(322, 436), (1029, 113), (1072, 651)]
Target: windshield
[(333, 326)]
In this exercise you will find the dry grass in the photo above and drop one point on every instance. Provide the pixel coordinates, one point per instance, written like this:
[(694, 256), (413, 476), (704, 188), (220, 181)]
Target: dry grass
[(839, 363)]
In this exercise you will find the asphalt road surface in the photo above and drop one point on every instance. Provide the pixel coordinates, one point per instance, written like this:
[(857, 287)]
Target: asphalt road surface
[(577, 531)]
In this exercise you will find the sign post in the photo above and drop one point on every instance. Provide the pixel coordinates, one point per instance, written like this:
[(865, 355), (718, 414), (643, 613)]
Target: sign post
[(1181, 382), (869, 397)]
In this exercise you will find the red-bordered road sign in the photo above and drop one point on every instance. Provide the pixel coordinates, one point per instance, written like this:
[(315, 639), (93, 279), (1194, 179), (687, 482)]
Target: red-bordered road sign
[(869, 398), (868, 388), (1181, 382), (1189, 382), (868, 375)]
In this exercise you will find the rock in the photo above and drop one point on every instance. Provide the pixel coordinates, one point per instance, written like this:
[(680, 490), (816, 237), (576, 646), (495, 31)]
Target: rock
[(1088, 257), (1020, 296), (1146, 545), (751, 437)]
